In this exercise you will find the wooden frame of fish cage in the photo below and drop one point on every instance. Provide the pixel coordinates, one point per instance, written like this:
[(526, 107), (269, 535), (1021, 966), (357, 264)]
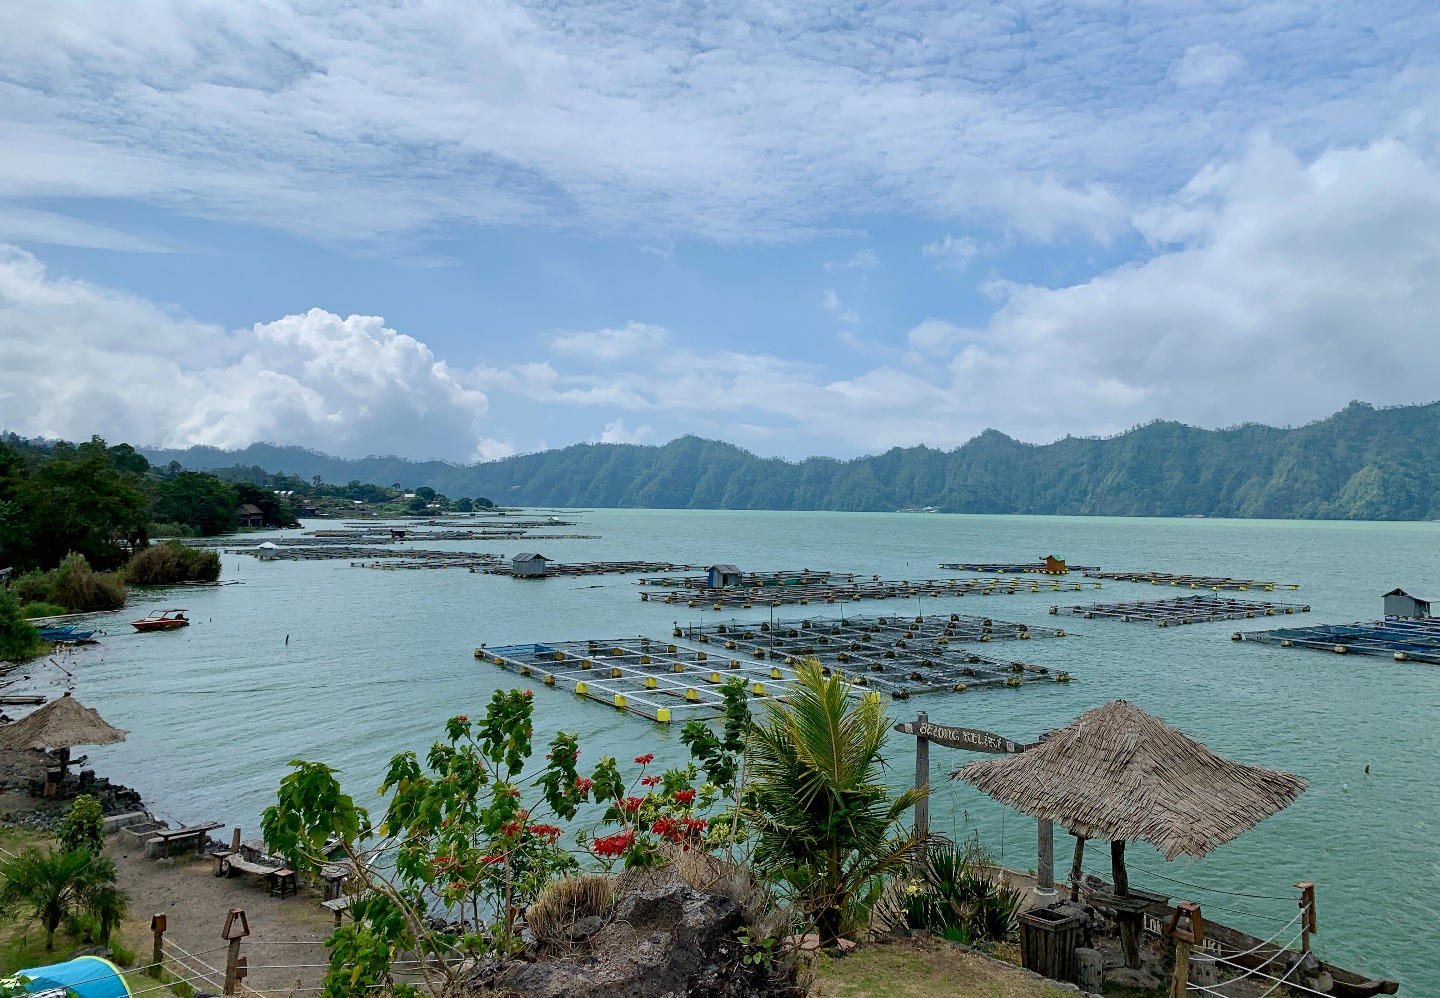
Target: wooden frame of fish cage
[(598, 568), (1011, 568), (748, 580), (1214, 582), (1199, 609), (1403, 639), (832, 593), (666, 681)]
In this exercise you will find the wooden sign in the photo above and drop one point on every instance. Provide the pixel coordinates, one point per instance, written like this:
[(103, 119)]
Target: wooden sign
[(972, 739)]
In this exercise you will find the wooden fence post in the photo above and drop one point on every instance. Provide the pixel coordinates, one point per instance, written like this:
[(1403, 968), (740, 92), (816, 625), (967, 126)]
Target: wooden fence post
[(1308, 922), (157, 954), (1045, 859), (1190, 934), (922, 778), (233, 934)]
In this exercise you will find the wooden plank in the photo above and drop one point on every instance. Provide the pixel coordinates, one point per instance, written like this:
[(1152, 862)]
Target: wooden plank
[(972, 739)]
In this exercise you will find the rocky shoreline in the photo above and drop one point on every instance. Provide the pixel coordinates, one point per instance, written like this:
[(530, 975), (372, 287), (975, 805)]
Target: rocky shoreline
[(22, 803)]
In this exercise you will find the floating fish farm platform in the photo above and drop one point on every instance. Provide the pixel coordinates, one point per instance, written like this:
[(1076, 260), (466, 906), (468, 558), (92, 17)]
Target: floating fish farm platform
[(834, 592), (681, 678), (1048, 567), (1184, 610), (598, 568), (748, 580), (1214, 582), (1403, 639)]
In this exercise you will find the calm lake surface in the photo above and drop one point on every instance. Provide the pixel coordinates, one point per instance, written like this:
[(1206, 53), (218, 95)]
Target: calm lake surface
[(376, 661)]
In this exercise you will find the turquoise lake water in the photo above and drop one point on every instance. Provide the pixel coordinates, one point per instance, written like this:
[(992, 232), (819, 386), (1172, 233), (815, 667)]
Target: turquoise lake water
[(377, 660)]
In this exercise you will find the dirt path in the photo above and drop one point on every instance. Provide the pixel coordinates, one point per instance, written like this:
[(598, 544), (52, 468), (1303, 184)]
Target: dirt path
[(283, 947)]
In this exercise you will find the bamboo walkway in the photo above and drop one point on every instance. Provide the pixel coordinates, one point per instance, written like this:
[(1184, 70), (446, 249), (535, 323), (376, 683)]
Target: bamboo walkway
[(1213, 582), (595, 568), (1403, 639), (1184, 610), (1010, 568)]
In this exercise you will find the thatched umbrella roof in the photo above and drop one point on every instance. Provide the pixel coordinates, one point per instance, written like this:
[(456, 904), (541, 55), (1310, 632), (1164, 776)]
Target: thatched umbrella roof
[(59, 724), (1118, 773)]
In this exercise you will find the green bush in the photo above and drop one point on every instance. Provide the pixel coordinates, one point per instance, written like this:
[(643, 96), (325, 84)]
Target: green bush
[(78, 586), (171, 563), (42, 609), (960, 898), (32, 587), (18, 638), (160, 531), (83, 827)]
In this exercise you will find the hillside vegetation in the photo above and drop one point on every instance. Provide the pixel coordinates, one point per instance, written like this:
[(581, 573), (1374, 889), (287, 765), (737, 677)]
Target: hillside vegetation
[(1361, 463)]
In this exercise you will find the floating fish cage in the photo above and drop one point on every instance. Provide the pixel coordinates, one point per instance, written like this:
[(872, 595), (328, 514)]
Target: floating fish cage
[(1014, 568), (834, 593), (1213, 582), (681, 679), (748, 580), (1184, 610), (599, 568), (1403, 639)]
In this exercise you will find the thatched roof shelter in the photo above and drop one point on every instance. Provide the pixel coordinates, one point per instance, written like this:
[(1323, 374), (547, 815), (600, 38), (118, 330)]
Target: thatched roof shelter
[(1118, 773), (60, 724)]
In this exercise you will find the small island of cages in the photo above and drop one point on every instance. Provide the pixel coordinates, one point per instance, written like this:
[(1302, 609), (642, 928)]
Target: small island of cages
[(1214, 582), (682, 678), (830, 591), (1403, 639), (1184, 610)]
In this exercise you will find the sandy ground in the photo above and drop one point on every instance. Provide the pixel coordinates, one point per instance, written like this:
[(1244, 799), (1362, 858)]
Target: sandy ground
[(283, 947)]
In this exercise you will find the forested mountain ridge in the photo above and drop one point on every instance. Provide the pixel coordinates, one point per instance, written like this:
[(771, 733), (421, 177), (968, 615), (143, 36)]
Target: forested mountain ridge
[(1361, 463)]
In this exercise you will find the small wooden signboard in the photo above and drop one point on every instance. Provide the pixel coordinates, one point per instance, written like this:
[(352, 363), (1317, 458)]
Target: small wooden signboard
[(972, 739)]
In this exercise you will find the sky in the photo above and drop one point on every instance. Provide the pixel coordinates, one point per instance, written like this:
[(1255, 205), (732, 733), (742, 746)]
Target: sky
[(466, 230)]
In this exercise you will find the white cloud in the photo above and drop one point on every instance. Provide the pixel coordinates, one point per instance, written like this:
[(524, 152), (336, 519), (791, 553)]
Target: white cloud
[(1206, 65), (76, 359), (615, 432), (610, 344), (934, 336), (340, 122), (952, 253), (837, 308), (865, 259)]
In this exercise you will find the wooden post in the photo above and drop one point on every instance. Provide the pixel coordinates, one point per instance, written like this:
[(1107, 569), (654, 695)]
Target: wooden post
[(1129, 921), (1308, 922), (922, 778), (242, 970), (235, 841), (1076, 871), (1045, 859), (157, 954), (233, 934), (1186, 933)]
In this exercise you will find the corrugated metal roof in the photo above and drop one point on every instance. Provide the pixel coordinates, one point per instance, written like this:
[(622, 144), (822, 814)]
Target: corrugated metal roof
[(530, 556)]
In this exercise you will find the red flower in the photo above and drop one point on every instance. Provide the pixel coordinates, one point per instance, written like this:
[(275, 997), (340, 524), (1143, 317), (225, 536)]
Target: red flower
[(651, 781), (583, 785), (685, 796), (511, 828), (632, 804), (646, 759), (548, 832), (463, 718), (611, 846), (493, 859), (694, 825)]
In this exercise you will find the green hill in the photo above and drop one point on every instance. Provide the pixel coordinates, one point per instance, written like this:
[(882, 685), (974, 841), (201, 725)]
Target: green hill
[(1361, 463)]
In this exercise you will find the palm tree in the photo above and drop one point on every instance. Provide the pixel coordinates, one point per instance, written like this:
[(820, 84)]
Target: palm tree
[(827, 824), (56, 886)]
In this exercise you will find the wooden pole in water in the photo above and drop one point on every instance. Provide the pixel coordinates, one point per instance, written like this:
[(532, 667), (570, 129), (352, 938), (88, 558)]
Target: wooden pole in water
[(1045, 860), (1075, 868), (922, 779)]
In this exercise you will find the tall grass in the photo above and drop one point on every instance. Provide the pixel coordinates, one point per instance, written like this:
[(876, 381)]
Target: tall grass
[(171, 563)]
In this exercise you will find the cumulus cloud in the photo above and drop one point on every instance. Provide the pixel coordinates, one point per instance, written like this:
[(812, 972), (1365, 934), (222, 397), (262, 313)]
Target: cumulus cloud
[(615, 432), (952, 253), (610, 344), (77, 359)]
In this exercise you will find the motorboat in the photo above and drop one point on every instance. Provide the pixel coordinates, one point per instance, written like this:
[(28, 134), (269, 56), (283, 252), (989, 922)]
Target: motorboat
[(162, 620)]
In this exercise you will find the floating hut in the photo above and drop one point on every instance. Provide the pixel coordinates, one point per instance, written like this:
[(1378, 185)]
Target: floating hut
[(1049, 565), (529, 565), (1399, 603), (722, 576), (1118, 774)]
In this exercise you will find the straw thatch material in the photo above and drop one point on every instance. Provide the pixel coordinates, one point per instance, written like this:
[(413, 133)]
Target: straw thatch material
[(1118, 774), (60, 723)]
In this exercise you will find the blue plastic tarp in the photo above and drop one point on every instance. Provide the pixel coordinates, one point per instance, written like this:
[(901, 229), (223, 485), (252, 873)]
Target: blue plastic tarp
[(86, 976)]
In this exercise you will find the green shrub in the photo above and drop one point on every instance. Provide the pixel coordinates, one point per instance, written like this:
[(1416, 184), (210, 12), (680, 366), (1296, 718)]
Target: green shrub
[(32, 610), (76, 585), (171, 563), (160, 531), (18, 638), (960, 898), (32, 587), (83, 827)]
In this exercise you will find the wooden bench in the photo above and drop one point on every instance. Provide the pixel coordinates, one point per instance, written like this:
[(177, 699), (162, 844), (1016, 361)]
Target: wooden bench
[(279, 878), (201, 834), (338, 906)]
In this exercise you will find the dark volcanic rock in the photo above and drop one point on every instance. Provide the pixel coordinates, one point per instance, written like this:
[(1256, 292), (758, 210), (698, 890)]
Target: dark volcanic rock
[(668, 942)]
